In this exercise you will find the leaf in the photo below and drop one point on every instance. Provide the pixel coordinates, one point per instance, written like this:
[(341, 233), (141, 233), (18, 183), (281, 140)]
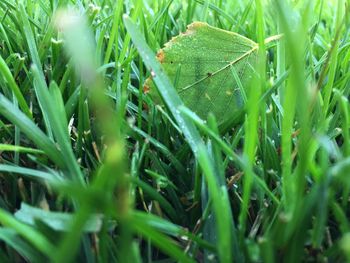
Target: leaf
[(209, 68)]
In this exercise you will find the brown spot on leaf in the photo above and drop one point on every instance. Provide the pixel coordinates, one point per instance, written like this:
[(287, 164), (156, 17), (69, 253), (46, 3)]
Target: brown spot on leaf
[(146, 87), (160, 56), (145, 106)]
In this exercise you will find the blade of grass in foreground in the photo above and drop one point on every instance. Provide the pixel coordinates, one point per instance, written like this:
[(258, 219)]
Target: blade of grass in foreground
[(219, 194), (80, 47)]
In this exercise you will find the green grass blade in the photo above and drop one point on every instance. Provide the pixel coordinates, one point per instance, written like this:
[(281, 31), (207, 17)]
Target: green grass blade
[(30, 173), (13, 114), (21, 149), (11, 238), (6, 73), (27, 232), (36, 61), (172, 100), (160, 240)]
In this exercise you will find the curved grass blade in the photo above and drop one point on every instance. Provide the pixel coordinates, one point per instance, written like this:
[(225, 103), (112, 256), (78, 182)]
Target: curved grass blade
[(13, 114), (42, 99), (31, 173), (173, 101), (159, 239), (169, 228), (158, 197), (6, 73), (30, 234), (54, 108), (11, 238)]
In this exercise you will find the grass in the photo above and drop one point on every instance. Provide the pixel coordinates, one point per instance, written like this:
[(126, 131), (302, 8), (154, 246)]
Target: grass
[(92, 170)]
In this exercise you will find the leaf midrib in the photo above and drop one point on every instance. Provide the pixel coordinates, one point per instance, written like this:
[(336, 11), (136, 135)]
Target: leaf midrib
[(255, 47)]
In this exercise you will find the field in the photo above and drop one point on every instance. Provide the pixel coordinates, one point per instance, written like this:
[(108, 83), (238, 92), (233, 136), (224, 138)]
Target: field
[(110, 152)]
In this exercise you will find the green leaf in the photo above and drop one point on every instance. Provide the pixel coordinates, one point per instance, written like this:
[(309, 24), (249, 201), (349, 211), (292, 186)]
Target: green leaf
[(211, 66)]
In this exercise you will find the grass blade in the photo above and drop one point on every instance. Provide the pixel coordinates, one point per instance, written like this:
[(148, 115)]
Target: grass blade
[(172, 100), (13, 114)]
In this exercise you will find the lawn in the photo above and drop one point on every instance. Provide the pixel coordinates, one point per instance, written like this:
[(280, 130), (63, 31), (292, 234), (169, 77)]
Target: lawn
[(174, 131)]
